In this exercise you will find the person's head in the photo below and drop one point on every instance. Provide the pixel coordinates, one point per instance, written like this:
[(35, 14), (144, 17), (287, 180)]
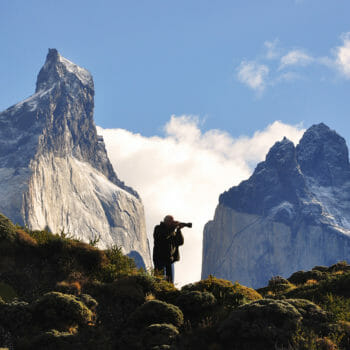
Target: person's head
[(169, 220)]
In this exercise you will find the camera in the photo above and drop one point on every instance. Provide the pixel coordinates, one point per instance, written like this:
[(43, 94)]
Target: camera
[(183, 224)]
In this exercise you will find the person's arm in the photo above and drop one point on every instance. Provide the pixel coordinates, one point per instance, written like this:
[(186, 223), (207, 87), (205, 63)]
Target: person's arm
[(179, 238)]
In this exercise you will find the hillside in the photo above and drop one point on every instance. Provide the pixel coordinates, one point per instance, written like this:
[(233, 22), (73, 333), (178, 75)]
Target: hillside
[(59, 293)]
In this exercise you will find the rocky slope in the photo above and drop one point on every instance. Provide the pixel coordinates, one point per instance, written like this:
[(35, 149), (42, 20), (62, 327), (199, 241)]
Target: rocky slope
[(54, 169), (291, 214)]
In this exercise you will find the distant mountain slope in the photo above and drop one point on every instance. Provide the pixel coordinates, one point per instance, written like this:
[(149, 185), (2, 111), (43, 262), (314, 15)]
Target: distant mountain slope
[(292, 213), (54, 169)]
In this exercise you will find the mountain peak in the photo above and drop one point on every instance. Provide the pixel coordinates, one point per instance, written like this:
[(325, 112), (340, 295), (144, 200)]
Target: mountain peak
[(323, 155), (59, 69), (281, 154)]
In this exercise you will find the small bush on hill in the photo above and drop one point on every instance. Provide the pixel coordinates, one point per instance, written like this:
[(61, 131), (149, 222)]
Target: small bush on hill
[(337, 306), (15, 316), (196, 305), (117, 264), (159, 334), (154, 311), (25, 238), (67, 287), (7, 293), (7, 235), (279, 284), (268, 321), (301, 277), (61, 311), (226, 293), (313, 316)]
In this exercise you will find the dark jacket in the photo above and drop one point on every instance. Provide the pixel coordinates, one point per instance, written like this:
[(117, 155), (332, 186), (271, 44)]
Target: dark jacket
[(166, 244)]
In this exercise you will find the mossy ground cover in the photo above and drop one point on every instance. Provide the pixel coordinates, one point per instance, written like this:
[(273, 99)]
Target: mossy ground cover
[(60, 293)]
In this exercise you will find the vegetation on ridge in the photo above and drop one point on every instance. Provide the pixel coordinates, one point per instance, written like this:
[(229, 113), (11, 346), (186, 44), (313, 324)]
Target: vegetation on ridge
[(59, 293)]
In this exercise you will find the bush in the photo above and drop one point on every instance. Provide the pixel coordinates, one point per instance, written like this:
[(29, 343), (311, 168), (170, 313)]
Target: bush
[(159, 334), (155, 311), (227, 294), (89, 258), (61, 311), (338, 306), (89, 301), (313, 315), (340, 266), (325, 344), (7, 293), (279, 284), (301, 277), (7, 229), (69, 287), (266, 320), (196, 305), (15, 315), (25, 238), (116, 264)]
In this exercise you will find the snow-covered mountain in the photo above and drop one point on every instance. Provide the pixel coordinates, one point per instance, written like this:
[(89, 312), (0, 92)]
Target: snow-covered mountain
[(293, 213), (54, 169)]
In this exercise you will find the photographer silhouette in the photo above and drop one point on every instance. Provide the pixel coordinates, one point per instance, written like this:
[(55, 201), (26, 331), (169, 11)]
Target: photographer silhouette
[(167, 239)]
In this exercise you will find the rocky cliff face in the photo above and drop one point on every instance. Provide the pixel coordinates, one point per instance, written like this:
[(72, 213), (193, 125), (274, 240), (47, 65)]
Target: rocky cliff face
[(54, 169), (293, 213)]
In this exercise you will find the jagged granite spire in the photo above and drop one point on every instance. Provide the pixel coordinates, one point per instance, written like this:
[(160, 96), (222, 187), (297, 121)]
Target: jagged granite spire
[(292, 213), (323, 155), (58, 69), (54, 168)]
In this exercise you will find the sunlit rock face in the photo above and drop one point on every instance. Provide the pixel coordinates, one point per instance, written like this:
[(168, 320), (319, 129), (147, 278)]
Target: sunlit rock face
[(54, 169), (293, 213)]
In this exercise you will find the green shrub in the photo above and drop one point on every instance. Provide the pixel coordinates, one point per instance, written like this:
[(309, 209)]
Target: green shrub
[(301, 277), (117, 264), (43, 237), (7, 293), (159, 334), (67, 287), (90, 259), (60, 311), (196, 305), (7, 229), (89, 301), (340, 266), (155, 311), (267, 320), (337, 306), (313, 315), (15, 316), (25, 239), (226, 293), (279, 284)]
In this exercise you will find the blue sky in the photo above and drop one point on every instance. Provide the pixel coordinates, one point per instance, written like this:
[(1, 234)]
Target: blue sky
[(152, 59), (188, 92)]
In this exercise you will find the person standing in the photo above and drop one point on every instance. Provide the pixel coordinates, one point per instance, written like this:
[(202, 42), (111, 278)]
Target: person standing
[(167, 239)]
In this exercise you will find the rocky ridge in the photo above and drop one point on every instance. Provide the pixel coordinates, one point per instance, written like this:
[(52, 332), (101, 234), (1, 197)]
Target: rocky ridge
[(54, 168), (291, 214)]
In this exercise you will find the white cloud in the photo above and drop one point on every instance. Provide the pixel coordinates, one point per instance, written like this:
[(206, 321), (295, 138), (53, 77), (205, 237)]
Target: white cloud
[(343, 56), (272, 50), (295, 58), (184, 172), (253, 74)]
